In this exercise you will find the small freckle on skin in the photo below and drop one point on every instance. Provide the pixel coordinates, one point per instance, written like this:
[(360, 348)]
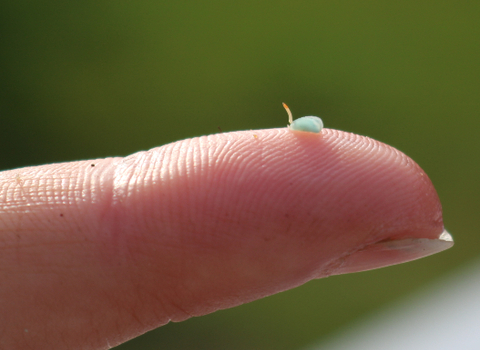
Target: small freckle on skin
[(61, 215), (92, 165)]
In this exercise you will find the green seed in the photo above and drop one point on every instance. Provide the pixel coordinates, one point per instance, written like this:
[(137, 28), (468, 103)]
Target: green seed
[(307, 124)]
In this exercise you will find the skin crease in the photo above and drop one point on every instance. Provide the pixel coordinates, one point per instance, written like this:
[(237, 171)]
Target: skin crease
[(94, 253)]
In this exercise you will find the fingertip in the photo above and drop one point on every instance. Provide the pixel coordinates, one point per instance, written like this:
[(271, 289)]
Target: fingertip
[(303, 200)]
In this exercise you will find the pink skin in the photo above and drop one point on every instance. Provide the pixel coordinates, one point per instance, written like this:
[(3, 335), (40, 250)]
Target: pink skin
[(94, 253)]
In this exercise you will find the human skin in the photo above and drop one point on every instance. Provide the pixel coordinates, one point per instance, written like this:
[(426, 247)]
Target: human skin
[(94, 253)]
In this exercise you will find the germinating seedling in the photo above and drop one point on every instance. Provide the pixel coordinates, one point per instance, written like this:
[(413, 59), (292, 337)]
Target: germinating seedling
[(308, 124)]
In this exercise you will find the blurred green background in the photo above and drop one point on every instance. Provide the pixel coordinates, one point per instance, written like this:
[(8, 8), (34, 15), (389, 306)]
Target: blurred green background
[(95, 79)]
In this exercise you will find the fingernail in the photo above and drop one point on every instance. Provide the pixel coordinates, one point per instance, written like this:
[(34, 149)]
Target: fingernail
[(392, 252)]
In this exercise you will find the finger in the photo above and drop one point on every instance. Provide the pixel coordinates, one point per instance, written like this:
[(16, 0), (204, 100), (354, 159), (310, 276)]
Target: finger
[(94, 253)]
